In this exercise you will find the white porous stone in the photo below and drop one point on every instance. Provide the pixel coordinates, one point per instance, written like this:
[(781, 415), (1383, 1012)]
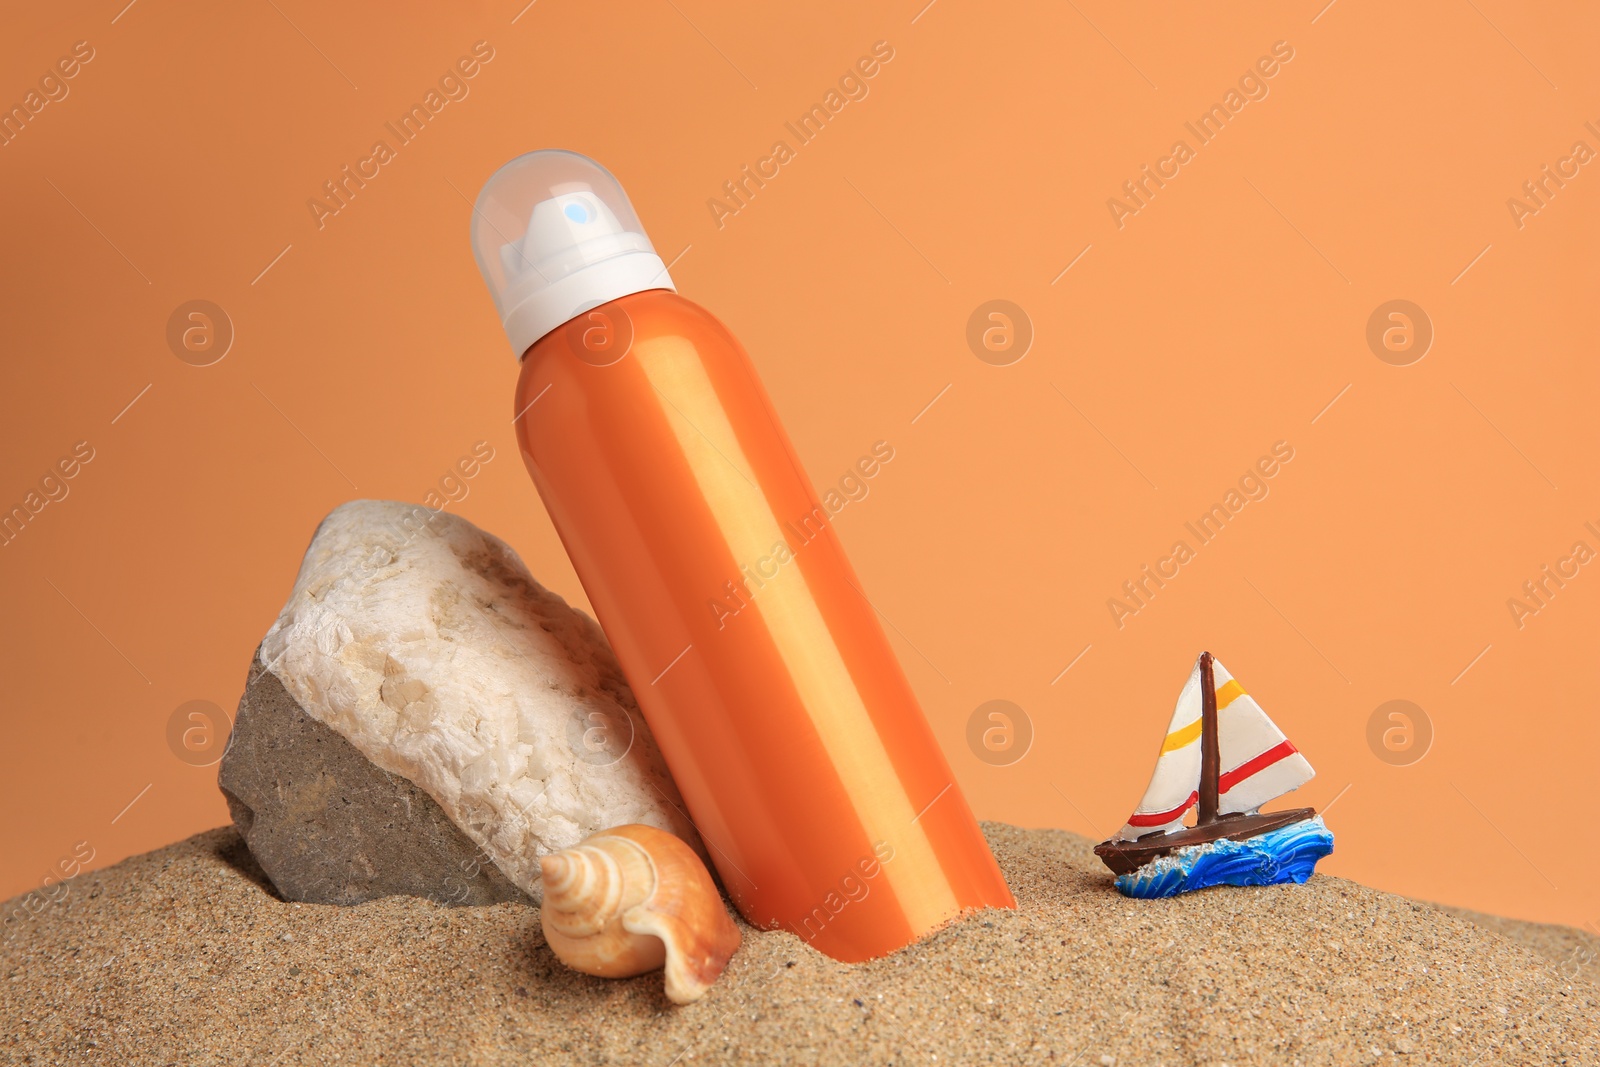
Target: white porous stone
[(426, 643)]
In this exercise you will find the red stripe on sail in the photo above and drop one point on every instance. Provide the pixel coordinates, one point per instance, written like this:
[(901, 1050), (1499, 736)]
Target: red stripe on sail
[(1249, 767), (1161, 818)]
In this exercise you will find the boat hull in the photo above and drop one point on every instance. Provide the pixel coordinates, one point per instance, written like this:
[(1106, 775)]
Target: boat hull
[(1125, 857), (1286, 854)]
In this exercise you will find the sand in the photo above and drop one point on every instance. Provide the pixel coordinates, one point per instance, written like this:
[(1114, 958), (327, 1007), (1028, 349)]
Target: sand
[(183, 956)]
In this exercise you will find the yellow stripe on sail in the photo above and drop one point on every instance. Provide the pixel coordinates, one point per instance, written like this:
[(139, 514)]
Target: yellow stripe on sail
[(1178, 738), (1228, 692)]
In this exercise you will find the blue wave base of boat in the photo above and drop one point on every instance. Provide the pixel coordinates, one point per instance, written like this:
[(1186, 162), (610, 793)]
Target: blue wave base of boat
[(1287, 854)]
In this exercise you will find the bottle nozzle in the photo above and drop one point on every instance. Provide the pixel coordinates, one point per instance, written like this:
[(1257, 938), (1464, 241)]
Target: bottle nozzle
[(554, 236)]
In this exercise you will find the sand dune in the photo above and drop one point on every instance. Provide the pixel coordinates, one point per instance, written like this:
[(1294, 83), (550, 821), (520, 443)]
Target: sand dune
[(183, 956)]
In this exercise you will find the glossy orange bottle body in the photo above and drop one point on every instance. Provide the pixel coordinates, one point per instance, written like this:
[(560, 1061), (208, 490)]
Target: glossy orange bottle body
[(760, 666)]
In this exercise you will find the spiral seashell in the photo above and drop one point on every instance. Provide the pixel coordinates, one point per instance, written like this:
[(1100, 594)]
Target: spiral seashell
[(634, 898)]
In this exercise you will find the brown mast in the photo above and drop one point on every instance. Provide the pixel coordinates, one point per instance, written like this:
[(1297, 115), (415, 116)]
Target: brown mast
[(1210, 754)]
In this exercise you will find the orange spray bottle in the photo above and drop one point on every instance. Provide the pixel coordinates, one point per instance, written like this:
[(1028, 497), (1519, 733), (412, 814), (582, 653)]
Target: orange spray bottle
[(758, 662)]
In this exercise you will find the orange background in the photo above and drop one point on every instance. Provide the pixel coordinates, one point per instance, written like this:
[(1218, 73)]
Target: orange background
[(1221, 318)]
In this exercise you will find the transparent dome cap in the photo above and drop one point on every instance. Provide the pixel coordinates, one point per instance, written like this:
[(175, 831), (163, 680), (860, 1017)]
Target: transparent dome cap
[(554, 236)]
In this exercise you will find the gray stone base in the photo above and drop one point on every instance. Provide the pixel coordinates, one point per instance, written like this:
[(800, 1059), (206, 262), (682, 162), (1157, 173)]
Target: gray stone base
[(328, 826)]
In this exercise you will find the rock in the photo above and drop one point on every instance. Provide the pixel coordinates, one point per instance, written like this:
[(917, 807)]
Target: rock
[(422, 706), (328, 826)]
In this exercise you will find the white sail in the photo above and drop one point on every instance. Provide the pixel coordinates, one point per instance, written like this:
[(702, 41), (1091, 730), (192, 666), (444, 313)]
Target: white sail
[(1174, 785), (1258, 762)]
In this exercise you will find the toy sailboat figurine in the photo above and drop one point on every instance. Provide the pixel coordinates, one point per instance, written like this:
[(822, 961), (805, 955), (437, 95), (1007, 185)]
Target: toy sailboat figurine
[(1225, 758)]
